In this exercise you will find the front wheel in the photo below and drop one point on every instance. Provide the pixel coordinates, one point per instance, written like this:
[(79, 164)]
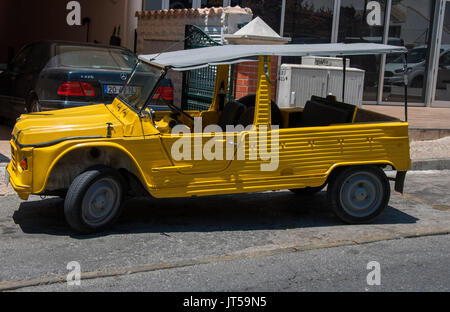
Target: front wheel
[(94, 200), (359, 194)]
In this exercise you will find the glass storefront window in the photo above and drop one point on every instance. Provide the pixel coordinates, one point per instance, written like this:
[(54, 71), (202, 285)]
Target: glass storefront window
[(236, 2), (152, 5), (410, 25), (211, 3), (363, 21), (308, 21), (180, 4), (443, 77), (268, 10)]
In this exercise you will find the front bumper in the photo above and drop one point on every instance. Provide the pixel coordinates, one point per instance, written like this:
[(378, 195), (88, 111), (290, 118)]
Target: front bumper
[(23, 191), (21, 180)]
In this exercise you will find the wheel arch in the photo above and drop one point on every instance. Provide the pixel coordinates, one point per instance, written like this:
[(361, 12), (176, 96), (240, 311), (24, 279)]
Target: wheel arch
[(336, 168), (79, 158)]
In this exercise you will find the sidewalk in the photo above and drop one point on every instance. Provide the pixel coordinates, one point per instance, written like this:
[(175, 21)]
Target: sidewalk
[(5, 148), (425, 123)]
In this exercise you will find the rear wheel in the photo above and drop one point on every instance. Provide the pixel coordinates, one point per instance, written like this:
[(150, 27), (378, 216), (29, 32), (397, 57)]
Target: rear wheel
[(359, 194), (94, 200)]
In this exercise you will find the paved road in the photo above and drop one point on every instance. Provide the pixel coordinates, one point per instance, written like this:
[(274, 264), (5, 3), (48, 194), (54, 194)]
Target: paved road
[(224, 232), (415, 264)]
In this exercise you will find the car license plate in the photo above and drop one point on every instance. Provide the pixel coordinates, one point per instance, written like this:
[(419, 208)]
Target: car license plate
[(116, 89)]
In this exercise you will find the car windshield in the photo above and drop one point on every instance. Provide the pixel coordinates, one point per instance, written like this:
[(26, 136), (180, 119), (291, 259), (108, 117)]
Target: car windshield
[(140, 85), (95, 57)]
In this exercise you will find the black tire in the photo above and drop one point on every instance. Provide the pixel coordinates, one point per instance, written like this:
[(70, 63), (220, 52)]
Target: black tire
[(359, 194), (90, 193), (308, 191), (33, 105)]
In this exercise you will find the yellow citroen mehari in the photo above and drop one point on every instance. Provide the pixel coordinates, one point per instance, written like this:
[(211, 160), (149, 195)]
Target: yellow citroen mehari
[(96, 156)]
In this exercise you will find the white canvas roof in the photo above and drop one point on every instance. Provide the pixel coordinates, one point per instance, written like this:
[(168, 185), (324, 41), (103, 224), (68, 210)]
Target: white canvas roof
[(229, 54)]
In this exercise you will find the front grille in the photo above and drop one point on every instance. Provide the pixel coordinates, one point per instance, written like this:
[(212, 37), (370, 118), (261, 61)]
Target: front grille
[(388, 74), (13, 158)]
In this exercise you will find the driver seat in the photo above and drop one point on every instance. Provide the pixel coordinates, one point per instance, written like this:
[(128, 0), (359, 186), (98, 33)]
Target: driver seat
[(231, 114)]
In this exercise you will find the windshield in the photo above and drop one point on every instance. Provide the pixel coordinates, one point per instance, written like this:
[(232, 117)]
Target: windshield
[(140, 85), (95, 57)]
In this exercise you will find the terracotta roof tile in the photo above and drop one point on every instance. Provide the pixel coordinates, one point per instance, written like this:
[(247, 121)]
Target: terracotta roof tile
[(193, 12)]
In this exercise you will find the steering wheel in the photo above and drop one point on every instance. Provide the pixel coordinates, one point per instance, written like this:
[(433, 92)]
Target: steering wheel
[(175, 109), (178, 110)]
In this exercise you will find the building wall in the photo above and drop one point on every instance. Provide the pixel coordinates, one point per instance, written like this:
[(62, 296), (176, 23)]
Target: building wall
[(24, 21), (246, 78), (163, 31), (3, 31)]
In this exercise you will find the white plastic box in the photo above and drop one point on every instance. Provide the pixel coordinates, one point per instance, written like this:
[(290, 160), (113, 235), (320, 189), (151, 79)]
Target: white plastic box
[(299, 82)]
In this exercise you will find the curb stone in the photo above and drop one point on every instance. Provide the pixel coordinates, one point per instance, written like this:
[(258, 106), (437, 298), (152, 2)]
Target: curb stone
[(431, 164)]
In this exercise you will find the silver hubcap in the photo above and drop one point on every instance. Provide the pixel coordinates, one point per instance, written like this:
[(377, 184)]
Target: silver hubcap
[(361, 194), (101, 202)]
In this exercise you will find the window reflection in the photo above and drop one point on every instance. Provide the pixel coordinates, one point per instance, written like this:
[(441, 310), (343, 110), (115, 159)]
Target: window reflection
[(268, 10), (443, 77), (359, 22), (308, 21), (410, 24), (180, 4), (211, 3)]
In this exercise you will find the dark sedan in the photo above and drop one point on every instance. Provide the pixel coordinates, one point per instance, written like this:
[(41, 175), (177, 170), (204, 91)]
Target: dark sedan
[(49, 75)]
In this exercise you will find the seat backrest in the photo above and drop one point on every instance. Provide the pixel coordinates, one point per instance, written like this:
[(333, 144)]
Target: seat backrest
[(231, 114), (331, 101), (323, 112)]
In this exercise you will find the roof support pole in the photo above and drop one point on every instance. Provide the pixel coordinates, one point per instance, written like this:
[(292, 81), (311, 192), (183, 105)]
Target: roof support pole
[(335, 24), (263, 94), (221, 88), (344, 76), (405, 82), (387, 23)]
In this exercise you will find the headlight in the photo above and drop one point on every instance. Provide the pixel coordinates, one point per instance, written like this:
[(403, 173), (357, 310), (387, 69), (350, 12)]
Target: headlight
[(24, 164)]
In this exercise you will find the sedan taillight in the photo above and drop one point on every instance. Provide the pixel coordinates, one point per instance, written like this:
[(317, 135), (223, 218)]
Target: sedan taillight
[(164, 92), (75, 88)]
